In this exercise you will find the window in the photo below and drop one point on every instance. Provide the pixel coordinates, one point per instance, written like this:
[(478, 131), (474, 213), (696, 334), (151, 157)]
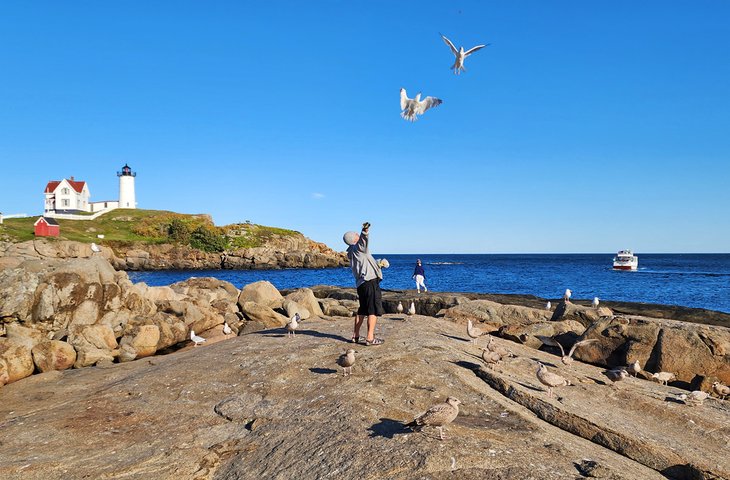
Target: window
[(65, 202), (64, 191)]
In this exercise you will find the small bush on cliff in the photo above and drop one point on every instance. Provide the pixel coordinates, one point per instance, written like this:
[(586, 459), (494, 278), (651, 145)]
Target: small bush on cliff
[(207, 239), (178, 231)]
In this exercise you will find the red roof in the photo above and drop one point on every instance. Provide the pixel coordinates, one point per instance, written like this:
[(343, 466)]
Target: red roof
[(52, 185)]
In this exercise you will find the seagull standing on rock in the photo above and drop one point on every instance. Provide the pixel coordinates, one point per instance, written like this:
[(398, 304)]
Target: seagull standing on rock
[(663, 377), (721, 390), (226, 329), (412, 309), (346, 361), (550, 379), (460, 55), (437, 416), (196, 339), (595, 302), (473, 333), (490, 357), (616, 375), (399, 308), (548, 306), (634, 368), (293, 324), (696, 397), (412, 107), (493, 347), (566, 295)]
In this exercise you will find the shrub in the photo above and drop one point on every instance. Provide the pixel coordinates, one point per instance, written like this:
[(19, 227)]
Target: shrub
[(207, 239), (178, 231)]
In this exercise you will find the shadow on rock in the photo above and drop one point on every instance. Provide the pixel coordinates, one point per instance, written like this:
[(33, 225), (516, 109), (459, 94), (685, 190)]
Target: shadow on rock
[(456, 338), (388, 428), (315, 333), (468, 365), (323, 371)]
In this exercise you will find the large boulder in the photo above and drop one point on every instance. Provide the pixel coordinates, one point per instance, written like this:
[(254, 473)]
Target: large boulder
[(17, 290), (688, 350), (579, 313), (206, 289), (305, 297), (262, 293), (93, 343), (263, 315), (142, 339), (332, 308), (495, 315), (30, 337), (527, 333), (16, 361), (53, 355), (292, 308)]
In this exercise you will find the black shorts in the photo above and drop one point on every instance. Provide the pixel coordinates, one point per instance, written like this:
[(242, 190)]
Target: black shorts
[(371, 298)]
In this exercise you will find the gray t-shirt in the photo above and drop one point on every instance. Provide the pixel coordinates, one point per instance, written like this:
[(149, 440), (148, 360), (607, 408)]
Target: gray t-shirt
[(364, 267)]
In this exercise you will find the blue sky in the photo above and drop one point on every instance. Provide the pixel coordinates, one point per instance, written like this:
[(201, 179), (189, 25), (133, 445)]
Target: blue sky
[(583, 127)]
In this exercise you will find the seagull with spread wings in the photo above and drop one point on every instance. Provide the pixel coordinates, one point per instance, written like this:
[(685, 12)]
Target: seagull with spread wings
[(566, 359), (412, 107), (460, 55)]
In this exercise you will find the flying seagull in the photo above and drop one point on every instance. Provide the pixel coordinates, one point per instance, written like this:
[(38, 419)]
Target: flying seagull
[(460, 55), (412, 107)]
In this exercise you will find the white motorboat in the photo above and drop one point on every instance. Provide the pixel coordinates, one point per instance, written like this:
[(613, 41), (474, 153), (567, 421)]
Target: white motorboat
[(625, 260)]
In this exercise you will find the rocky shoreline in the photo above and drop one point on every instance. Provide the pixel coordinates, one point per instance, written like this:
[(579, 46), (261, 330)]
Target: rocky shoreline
[(63, 313), (292, 251), (231, 401)]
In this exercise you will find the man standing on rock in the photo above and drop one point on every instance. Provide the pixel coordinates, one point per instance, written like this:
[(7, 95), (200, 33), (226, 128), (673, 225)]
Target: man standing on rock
[(367, 275)]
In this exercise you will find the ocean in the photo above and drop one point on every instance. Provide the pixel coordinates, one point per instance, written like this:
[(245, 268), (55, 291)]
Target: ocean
[(690, 280)]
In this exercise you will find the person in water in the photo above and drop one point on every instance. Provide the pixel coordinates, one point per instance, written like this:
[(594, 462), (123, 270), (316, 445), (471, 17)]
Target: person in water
[(420, 277)]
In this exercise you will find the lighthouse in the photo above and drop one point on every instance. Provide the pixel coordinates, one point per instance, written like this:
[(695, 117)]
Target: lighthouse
[(126, 188)]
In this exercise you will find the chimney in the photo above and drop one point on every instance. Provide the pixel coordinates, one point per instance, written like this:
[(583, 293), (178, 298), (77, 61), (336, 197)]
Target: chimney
[(72, 178)]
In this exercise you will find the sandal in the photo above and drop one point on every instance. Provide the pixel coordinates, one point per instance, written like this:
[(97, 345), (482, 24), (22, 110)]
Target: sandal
[(355, 339), (374, 341)]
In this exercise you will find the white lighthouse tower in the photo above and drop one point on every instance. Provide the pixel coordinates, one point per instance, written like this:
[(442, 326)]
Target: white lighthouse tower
[(126, 188)]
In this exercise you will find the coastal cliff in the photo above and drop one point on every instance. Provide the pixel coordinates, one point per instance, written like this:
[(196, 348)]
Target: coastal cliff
[(159, 240)]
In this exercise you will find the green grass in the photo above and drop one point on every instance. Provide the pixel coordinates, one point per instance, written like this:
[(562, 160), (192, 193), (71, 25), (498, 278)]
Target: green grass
[(121, 225), (126, 226), (249, 235)]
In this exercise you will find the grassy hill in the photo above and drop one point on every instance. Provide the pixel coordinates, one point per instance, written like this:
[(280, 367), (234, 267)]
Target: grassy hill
[(125, 226)]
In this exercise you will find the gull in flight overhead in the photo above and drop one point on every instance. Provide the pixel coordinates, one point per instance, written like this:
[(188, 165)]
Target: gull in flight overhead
[(460, 55), (412, 107)]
